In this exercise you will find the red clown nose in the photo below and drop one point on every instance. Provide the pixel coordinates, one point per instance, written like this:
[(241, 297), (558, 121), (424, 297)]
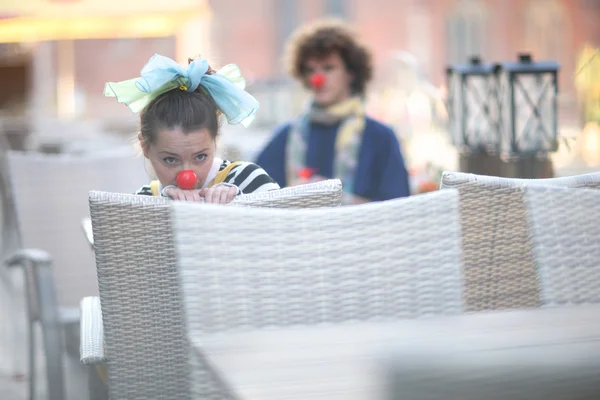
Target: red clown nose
[(317, 80), (306, 173), (186, 179)]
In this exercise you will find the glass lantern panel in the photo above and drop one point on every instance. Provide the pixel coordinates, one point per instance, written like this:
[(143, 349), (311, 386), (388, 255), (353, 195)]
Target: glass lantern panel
[(482, 112), (535, 114)]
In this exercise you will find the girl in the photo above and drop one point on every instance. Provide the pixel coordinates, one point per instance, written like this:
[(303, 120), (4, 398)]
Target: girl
[(179, 123)]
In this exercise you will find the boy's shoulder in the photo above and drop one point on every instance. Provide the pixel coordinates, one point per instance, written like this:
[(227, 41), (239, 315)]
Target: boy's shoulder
[(379, 129)]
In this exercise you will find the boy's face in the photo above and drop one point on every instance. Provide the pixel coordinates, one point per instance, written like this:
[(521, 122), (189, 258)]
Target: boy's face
[(336, 81)]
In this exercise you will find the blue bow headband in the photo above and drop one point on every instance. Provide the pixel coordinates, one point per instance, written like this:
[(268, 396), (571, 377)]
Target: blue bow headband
[(161, 74)]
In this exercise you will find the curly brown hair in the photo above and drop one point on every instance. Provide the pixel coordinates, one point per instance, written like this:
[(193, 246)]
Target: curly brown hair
[(322, 38)]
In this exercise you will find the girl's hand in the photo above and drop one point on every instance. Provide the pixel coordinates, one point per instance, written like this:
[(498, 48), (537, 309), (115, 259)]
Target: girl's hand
[(183, 195), (219, 194)]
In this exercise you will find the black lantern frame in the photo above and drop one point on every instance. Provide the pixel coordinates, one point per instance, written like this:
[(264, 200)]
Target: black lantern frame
[(528, 103), (473, 106)]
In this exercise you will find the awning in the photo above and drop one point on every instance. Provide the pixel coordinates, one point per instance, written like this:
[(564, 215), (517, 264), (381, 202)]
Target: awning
[(42, 20)]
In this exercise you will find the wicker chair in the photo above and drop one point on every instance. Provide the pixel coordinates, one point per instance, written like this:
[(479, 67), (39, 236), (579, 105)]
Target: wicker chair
[(498, 258), (133, 244), (405, 256), (565, 227), (49, 194), (383, 261), (323, 194)]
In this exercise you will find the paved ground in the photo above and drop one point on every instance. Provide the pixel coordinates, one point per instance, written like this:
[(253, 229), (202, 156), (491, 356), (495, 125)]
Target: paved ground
[(11, 389), (13, 361)]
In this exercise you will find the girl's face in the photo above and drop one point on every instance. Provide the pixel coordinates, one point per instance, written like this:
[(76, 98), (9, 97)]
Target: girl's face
[(174, 151)]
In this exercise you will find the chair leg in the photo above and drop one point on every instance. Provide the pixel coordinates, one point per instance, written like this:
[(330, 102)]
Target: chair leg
[(77, 385), (52, 331), (97, 385), (16, 311), (32, 351), (32, 317), (52, 338)]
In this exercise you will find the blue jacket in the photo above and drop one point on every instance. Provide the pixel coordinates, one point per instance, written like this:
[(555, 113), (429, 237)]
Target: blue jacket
[(380, 174)]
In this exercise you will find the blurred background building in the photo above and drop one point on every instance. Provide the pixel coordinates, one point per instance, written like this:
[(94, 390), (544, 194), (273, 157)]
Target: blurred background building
[(56, 56)]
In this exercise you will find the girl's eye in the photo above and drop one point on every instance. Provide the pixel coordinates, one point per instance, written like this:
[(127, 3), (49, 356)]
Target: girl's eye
[(169, 160), (201, 157), (328, 68)]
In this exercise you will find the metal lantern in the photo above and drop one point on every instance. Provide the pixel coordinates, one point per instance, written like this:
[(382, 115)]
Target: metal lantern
[(528, 122), (473, 106)]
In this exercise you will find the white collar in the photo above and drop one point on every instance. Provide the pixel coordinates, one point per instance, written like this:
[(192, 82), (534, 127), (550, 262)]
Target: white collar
[(214, 170)]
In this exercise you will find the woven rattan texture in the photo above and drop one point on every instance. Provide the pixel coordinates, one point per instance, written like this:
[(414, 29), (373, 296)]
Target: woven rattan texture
[(499, 270), (143, 325), (319, 194), (313, 195), (265, 268), (91, 345), (454, 179), (565, 224), (261, 268), (146, 345)]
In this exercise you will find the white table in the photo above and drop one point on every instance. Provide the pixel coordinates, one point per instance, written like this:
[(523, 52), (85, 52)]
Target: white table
[(349, 361)]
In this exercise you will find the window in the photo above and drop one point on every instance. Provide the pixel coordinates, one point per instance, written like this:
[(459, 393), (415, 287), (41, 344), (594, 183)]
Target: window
[(336, 8), (545, 29), (466, 32), (122, 48), (287, 20), (418, 29)]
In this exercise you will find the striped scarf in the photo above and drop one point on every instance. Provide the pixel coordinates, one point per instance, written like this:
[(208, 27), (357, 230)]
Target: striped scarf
[(351, 113)]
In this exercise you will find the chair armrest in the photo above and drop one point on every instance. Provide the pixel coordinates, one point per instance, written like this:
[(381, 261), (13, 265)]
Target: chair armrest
[(34, 256), (39, 284), (91, 348)]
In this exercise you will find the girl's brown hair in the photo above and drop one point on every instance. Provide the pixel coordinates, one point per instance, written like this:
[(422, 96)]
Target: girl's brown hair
[(180, 109)]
